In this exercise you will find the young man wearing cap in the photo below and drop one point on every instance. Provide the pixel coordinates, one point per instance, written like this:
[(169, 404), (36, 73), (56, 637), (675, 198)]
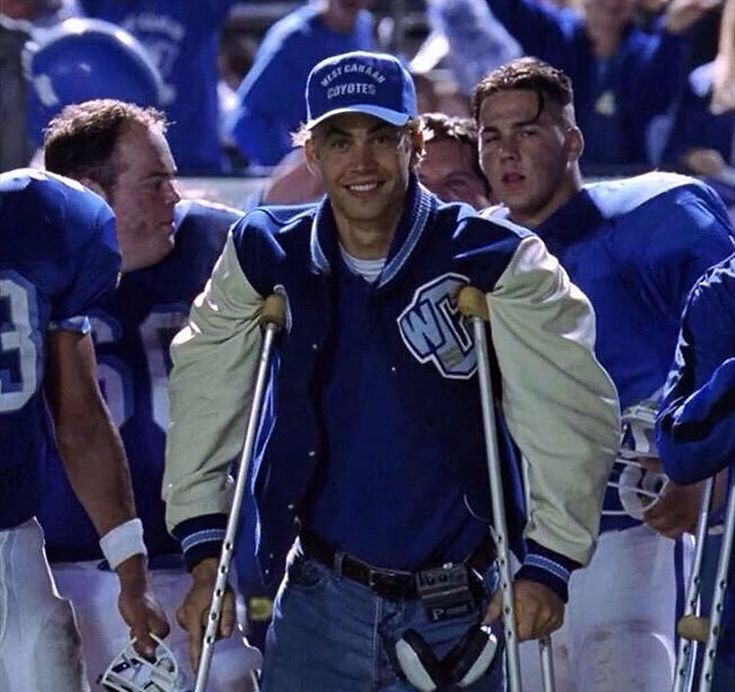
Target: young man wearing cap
[(372, 437)]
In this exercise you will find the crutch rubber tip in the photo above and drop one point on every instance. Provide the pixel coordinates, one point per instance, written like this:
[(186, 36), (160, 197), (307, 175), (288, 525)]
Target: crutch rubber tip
[(274, 310), (472, 303), (693, 628)]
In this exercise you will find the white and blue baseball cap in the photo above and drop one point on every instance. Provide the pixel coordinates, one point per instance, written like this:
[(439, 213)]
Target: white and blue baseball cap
[(376, 84)]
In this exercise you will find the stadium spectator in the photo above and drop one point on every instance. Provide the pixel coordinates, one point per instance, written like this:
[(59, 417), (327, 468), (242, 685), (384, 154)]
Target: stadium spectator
[(702, 140), (182, 38), (622, 76), (474, 41), (18, 21), (80, 59), (635, 247), (16, 149), (271, 97)]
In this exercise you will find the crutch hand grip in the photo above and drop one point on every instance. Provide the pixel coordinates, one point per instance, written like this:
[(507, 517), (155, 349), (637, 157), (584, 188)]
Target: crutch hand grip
[(693, 628), (274, 310), (272, 318), (472, 303)]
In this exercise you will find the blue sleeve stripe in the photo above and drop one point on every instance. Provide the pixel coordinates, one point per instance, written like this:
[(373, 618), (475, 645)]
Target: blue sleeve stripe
[(205, 536), (535, 560)]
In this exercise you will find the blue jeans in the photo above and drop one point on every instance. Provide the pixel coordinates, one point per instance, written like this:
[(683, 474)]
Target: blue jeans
[(331, 634)]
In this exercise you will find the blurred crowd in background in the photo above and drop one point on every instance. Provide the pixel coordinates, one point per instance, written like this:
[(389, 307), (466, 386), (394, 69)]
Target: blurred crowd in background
[(654, 79)]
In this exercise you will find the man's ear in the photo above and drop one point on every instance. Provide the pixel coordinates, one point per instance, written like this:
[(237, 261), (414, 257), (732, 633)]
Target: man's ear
[(574, 144), (95, 187), (417, 146), (310, 157)]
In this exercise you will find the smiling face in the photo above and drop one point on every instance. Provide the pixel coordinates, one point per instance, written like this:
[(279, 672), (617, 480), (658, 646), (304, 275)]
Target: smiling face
[(143, 196), (529, 158), (364, 164)]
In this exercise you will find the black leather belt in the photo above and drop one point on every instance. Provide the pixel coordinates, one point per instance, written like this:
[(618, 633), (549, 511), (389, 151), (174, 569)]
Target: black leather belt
[(391, 584)]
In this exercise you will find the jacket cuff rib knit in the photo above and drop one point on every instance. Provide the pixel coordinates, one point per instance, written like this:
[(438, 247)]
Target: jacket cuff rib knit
[(201, 537), (548, 568)]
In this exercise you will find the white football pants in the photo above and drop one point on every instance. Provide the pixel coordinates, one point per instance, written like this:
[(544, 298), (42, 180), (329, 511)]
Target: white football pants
[(39, 640), (104, 632), (619, 624)]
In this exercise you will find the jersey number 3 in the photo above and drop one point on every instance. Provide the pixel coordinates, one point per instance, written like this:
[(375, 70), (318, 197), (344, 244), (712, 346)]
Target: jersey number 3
[(21, 344)]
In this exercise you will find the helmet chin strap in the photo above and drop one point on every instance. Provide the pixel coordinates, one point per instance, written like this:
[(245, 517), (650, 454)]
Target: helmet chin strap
[(130, 672)]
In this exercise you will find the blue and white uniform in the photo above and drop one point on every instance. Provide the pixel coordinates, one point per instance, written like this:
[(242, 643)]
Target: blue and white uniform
[(132, 331), (635, 247), (372, 434), (59, 256), (695, 431)]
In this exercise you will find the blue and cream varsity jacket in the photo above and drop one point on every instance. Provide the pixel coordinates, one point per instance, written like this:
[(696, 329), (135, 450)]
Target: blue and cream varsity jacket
[(558, 403)]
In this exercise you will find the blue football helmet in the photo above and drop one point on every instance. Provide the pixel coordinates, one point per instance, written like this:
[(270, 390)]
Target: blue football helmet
[(83, 59)]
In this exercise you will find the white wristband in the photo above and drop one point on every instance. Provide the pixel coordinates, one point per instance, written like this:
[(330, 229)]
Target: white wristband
[(123, 542)]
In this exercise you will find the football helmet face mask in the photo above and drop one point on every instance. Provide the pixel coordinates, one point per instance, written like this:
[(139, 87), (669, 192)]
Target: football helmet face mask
[(83, 59), (639, 488), (130, 672)]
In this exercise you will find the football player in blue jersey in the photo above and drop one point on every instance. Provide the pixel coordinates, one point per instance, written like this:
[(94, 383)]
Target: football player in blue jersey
[(372, 435), (59, 257), (635, 247), (168, 249), (695, 428)]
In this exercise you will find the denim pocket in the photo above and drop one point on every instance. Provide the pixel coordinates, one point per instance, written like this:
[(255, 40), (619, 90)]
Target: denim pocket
[(307, 575)]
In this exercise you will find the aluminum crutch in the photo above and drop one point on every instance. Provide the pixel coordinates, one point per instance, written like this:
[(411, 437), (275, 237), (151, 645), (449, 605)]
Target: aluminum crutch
[(709, 629), (272, 319), (547, 663), (687, 650), (472, 304)]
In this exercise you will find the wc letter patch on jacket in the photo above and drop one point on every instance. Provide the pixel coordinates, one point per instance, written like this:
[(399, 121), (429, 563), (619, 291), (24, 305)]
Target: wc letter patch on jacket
[(434, 330)]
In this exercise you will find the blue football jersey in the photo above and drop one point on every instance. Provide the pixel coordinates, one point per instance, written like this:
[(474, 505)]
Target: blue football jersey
[(132, 332), (58, 258), (636, 247)]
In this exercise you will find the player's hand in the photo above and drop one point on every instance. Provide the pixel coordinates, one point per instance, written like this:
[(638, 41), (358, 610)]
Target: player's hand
[(192, 615), (677, 509), (539, 611), (138, 606)]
